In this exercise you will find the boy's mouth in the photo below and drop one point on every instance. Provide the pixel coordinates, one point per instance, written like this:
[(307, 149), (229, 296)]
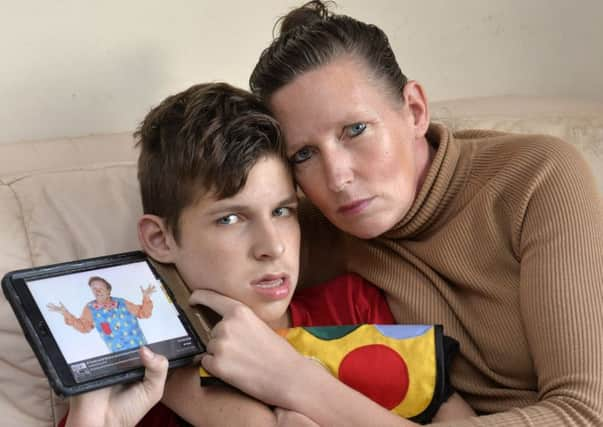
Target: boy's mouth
[(270, 283), (273, 286)]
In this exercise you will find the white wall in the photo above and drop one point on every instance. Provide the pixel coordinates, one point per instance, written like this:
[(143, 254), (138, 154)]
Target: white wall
[(462, 48), (73, 67)]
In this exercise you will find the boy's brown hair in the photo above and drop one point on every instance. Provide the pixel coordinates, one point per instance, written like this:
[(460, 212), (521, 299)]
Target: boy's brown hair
[(203, 140)]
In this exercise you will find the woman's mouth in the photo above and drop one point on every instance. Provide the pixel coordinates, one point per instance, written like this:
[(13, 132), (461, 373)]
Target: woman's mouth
[(355, 207)]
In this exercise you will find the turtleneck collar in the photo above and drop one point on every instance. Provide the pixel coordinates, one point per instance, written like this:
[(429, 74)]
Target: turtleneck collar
[(433, 193)]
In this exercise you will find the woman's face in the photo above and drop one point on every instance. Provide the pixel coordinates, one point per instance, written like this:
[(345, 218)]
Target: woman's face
[(358, 153)]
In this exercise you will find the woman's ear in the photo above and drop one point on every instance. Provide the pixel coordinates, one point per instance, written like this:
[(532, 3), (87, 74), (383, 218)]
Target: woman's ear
[(156, 239), (416, 101)]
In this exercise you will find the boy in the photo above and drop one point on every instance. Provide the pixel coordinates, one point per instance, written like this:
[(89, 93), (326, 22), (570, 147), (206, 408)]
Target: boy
[(220, 204)]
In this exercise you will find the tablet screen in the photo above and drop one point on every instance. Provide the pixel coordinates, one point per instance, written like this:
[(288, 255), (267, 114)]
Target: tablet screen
[(99, 318)]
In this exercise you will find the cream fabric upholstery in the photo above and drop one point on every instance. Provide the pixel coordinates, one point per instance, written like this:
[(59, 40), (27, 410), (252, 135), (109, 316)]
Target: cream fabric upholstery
[(68, 199), (578, 122)]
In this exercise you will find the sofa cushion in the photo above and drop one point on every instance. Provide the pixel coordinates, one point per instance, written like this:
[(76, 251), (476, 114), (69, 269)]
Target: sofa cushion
[(14, 248), (49, 217), (26, 398), (73, 214)]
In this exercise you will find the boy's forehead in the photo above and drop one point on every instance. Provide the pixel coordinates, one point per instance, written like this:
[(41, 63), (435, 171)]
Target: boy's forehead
[(269, 181)]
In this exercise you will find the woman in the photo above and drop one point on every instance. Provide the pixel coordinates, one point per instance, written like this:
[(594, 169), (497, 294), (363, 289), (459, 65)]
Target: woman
[(498, 237)]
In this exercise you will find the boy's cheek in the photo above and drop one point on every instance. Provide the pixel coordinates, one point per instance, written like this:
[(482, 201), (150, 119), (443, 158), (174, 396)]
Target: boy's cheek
[(191, 276), (204, 282)]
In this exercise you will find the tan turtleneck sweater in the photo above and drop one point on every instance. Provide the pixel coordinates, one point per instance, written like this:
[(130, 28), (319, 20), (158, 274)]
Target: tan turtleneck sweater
[(504, 247)]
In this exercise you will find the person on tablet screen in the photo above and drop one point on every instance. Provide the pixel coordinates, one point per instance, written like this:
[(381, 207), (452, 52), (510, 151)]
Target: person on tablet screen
[(115, 319)]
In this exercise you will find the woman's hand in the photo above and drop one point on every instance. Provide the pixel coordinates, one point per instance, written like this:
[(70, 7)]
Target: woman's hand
[(245, 352), (121, 405)]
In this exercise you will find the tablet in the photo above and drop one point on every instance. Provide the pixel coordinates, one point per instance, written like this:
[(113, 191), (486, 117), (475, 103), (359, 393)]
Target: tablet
[(85, 320)]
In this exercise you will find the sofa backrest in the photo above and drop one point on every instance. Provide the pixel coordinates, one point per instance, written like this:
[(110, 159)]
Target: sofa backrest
[(76, 198), (575, 121)]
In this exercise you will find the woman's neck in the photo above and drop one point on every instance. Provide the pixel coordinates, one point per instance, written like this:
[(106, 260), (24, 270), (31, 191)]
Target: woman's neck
[(423, 158)]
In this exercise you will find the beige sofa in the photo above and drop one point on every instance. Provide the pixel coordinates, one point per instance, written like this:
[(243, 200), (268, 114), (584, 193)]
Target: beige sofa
[(73, 198)]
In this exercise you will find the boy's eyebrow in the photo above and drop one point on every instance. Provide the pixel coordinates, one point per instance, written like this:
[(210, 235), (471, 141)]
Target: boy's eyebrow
[(289, 200), (241, 208)]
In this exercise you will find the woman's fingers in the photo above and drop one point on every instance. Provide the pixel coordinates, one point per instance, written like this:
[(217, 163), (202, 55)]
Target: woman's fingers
[(243, 350), (207, 361)]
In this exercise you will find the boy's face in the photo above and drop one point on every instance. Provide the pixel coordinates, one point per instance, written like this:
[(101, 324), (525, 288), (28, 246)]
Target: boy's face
[(247, 246)]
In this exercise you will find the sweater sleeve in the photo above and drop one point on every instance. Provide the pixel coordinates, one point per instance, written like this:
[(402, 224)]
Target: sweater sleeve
[(559, 242)]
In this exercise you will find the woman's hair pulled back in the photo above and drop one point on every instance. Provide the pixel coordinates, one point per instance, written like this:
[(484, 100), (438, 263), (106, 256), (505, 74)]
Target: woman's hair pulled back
[(311, 36)]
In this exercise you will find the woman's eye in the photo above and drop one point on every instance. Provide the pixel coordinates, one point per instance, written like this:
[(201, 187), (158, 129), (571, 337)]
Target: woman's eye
[(301, 155), (228, 219), (356, 129), (283, 211)]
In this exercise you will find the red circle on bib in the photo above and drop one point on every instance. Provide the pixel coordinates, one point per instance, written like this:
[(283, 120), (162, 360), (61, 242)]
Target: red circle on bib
[(378, 372)]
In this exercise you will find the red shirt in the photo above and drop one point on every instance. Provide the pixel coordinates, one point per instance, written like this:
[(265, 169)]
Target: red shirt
[(345, 300)]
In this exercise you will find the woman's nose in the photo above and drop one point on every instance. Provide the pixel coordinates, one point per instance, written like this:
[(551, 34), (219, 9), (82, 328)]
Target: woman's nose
[(338, 170)]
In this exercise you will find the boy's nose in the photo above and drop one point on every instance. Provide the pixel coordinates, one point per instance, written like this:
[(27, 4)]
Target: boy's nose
[(269, 244)]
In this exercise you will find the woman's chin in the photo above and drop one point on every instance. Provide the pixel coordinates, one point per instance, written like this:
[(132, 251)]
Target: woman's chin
[(363, 231), (370, 224)]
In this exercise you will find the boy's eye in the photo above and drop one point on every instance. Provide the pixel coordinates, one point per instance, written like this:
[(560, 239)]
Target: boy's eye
[(228, 219), (355, 129), (301, 155), (284, 211)]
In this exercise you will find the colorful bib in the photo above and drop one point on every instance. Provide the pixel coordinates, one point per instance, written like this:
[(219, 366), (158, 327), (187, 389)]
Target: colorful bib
[(401, 367)]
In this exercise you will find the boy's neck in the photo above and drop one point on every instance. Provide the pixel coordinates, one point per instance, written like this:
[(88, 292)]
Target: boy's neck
[(283, 322)]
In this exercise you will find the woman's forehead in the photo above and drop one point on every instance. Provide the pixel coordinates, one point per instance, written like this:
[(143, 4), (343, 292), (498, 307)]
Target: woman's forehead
[(334, 95)]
